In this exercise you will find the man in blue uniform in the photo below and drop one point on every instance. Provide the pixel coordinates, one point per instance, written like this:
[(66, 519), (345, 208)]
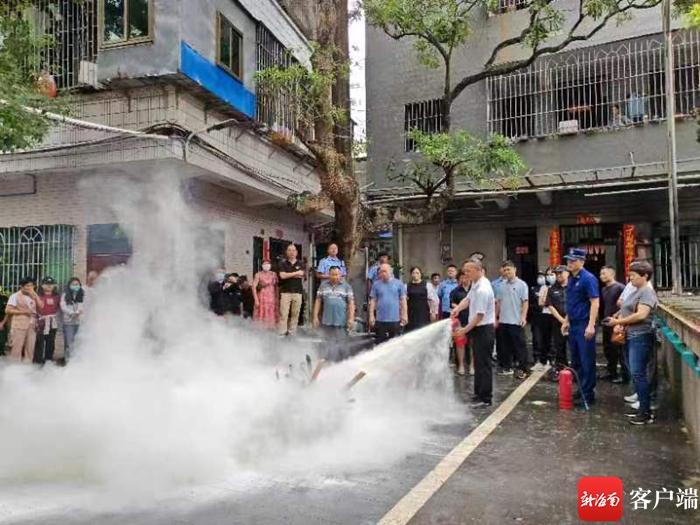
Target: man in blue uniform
[(325, 264), (582, 301)]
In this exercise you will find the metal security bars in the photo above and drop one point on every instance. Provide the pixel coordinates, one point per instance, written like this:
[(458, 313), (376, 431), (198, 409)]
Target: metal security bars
[(603, 87), (425, 116), (35, 251), (689, 252), (505, 6), (71, 49), (275, 112)]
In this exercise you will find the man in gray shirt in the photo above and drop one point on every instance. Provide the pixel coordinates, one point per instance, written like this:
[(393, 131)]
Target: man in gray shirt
[(511, 316), (337, 300)]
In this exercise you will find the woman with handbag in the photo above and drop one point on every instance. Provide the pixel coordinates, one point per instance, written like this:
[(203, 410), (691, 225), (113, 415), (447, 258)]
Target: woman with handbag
[(634, 326), (265, 295)]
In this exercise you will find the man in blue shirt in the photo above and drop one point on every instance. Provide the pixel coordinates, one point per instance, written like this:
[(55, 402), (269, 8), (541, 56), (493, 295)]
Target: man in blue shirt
[(388, 306), (444, 290), (325, 264), (582, 301), (337, 301)]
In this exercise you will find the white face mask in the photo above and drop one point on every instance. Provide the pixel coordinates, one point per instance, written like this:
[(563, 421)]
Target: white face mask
[(220, 276), (551, 279), (266, 267), (540, 281)]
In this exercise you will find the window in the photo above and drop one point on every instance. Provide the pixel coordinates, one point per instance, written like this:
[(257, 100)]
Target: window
[(505, 6), (425, 116), (230, 48), (126, 21), (276, 112), (603, 87)]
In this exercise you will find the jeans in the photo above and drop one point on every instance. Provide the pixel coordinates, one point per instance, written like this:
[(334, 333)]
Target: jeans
[(513, 341), (482, 339), (384, 331), (69, 333), (583, 359), (640, 348)]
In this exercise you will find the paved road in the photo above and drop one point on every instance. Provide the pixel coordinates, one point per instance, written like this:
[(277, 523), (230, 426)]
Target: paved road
[(525, 472)]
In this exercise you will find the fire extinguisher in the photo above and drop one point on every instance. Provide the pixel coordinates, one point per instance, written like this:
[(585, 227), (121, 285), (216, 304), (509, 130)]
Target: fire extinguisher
[(566, 385), (459, 339)]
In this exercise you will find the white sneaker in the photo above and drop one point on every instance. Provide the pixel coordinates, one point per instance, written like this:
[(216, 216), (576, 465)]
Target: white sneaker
[(460, 371), (635, 406), (538, 366), (632, 399)]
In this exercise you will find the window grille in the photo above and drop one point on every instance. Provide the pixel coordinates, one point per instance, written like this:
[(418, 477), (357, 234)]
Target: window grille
[(689, 254), (425, 116), (505, 6), (601, 87), (72, 28), (274, 111), (35, 251)]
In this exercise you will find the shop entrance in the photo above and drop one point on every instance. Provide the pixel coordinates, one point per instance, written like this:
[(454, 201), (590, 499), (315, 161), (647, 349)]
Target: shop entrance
[(602, 243), (521, 247)]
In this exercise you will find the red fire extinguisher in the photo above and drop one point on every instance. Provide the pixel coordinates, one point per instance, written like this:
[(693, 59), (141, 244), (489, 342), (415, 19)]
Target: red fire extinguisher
[(459, 339), (566, 397)]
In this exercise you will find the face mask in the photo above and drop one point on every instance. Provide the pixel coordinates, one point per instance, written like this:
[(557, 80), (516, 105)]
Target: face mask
[(75, 288), (266, 267), (551, 279), (220, 276), (540, 281)]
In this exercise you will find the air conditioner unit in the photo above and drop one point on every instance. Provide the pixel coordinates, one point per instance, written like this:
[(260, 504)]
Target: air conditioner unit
[(87, 74), (568, 127)]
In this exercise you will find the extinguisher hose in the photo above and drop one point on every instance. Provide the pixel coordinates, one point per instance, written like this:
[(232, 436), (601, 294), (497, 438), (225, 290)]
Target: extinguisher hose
[(583, 398)]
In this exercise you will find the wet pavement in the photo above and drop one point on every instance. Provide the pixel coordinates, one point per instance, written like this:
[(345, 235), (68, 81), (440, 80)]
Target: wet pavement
[(526, 471)]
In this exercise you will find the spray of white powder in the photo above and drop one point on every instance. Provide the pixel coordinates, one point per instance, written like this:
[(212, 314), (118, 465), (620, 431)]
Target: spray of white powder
[(161, 394)]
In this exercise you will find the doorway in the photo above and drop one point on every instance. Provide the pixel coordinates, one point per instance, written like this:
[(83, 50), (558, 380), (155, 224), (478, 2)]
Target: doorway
[(521, 247)]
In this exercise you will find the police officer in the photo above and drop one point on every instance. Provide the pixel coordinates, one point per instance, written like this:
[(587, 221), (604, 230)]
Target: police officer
[(556, 302), (582, 301), (325, 264)]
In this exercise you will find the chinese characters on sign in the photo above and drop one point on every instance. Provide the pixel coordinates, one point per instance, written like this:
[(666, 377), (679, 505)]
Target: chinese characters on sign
[(554, 248), (602, 499), (629, 240)]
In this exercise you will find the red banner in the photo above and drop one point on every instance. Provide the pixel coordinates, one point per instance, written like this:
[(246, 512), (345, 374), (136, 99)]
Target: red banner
[(554, 247), (629, 245)]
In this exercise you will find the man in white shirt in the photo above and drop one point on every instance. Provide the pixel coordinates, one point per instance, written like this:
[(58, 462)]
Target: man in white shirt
[(482, 318)]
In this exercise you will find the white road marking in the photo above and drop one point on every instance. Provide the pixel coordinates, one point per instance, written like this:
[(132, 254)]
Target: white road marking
[(419, 495)]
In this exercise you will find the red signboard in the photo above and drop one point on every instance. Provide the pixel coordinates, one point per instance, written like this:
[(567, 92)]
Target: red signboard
[(554, 248), (629, 245)]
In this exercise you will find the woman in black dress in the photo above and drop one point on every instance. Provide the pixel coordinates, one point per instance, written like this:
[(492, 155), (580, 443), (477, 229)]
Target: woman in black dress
[(418, 306)]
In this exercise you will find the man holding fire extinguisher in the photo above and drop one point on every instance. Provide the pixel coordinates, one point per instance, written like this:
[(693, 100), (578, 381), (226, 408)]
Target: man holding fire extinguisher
[(582, 301)]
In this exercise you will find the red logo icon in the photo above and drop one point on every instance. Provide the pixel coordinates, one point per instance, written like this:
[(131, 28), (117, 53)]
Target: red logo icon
[(600, 499)]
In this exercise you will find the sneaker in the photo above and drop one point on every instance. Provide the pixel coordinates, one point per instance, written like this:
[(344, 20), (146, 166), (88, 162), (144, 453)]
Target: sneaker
[(538, 366), (460, 371), (505, 372), (617, 381), (481, 404), (640, 419), (632, 399), (635, 406), (471, 371)]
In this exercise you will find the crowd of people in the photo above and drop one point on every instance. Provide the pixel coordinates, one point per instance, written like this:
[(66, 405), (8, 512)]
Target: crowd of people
[(563, 308), (33, 315)]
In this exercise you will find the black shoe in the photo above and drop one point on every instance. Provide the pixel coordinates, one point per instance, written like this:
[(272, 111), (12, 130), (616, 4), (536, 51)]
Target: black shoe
[(630, 412), (475, 399), (520, 374), (617, 381), (481, 404), (641, 419)]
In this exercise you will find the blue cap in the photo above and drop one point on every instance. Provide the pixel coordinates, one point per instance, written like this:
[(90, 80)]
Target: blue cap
[(576, 254)]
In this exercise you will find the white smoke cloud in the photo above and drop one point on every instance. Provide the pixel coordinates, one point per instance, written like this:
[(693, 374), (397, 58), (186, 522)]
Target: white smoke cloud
[(161, 394)]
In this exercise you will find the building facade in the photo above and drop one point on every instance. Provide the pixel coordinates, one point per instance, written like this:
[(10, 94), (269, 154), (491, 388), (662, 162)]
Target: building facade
[(589, 123), (165, 86)]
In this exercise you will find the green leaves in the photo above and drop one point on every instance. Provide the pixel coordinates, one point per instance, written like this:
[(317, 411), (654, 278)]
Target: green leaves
[(19, 68), (466, 156)]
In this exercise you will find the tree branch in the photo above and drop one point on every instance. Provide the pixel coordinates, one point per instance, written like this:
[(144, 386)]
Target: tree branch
[(537, 52)]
